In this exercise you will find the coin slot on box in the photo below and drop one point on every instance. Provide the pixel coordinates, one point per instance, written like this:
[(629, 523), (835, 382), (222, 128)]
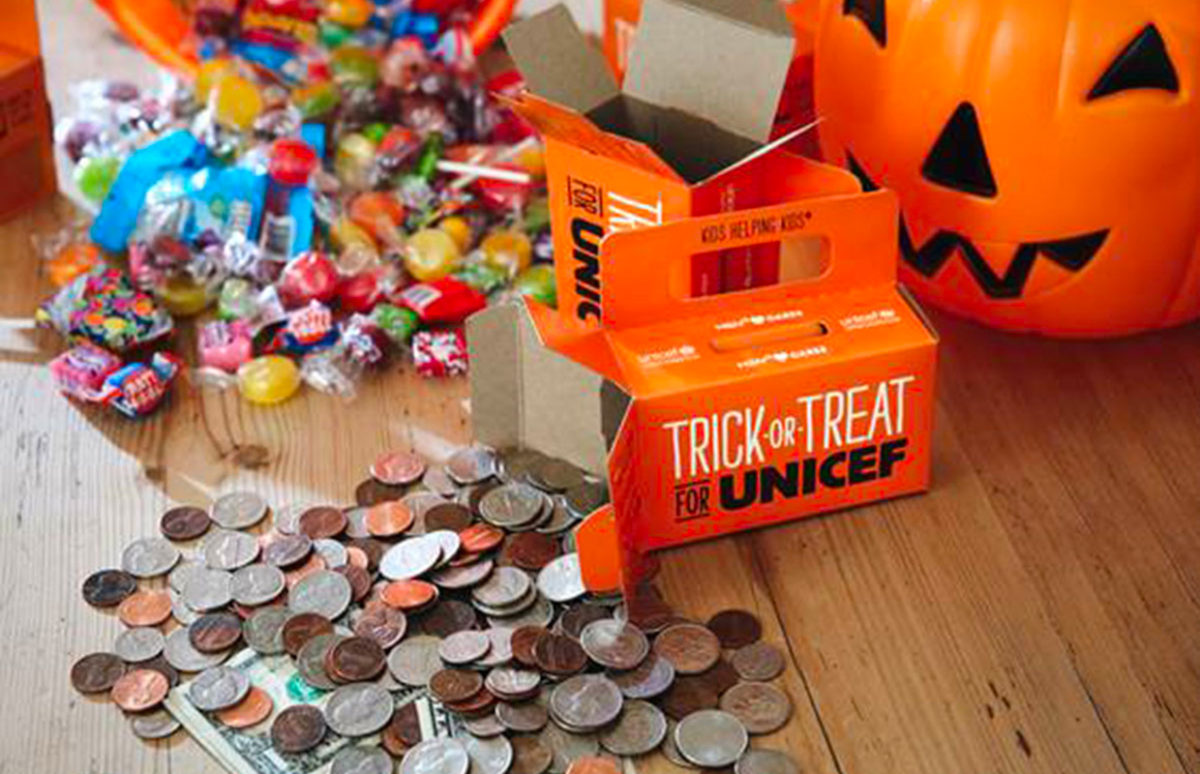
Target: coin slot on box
[(770, 337)]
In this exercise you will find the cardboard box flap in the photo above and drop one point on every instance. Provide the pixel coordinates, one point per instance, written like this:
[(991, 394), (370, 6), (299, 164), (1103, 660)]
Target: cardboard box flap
[(20, 29), (558, 61), (725, 61)]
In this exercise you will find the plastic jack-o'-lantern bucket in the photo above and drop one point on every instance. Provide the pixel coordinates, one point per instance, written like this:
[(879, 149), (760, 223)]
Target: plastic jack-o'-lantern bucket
[(1046, 154), (161, 27)]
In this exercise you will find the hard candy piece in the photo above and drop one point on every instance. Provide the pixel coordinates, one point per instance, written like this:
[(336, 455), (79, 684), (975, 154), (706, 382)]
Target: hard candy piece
[(508, 249), (431, 254), (268, 380), (237, 103), (95, 176)]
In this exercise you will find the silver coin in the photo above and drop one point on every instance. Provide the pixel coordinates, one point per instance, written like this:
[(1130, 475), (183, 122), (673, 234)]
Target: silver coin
[(361, 760), (765, 762), (179, 575), (761, 707), (505, 587), (437, 480), (464, 647), (711, 738), (415, 660), (228, 550), (511, 505), (310, 661), (520, 605), (586, 702), (287, 517), (464, 577), (208, 590), (670, 751), (149, 557), (449, 543), (285, 550), (586, 498), (326, 593), (180, 610), (180, 654), (561, 519), (493, 755), (555, 475), (256, 584), (472, 465), (501, 650), (360, 709), (436, 756), (527, 717), (561, 580), (509, 681), (263, 631), (139, 644), (567, 746), (333, 552), (158, 724), (652, 678), (356, 523), (640, 729), (541, 613), (484, 726), (759, 662), (613, 644), (419, 502), (410, 559), (218, 688), (239, 510)]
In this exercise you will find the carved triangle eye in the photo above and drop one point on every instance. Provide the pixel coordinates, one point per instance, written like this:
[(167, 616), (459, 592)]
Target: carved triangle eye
[(873, 14), (1143, 64)]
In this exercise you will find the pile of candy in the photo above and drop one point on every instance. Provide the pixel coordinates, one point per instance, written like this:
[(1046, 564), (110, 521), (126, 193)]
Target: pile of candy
[(338, 183)]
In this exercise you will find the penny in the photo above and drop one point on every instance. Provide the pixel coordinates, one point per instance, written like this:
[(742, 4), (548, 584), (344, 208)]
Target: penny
[(225, 549), (690, 648), (322, 521), (561, 580), (586, 498), (540, 613), (759, 662), (532, 551), (218, 688), (448, 516), (505, 586), (464, 647), (145, 608), (160, 664), (578, 616), (478, 538), (239, 510), (361, 760), (493, 755), (765, 762), (722, 676), (372, 492), (687, 695), (108, 588), (415, 660), (298, 729), (250, 711), (139, 690), (332, 552), (302, 627), (464, 577), (447, 617), (325, 593), (648, 680), (149, 557), (158, 724), (523, 641), (410, 559), (358, 710), (513, 684), (256, 584), (761, 707), (711, 738), (511, 505), (525, 718), (383, 626), (97, 672), (313, 565), (640, 729), (181, 655), (735, 628), (455, 685), (586, 702), (207, 589), (215, 632), (409, 594), (437, 756), (406, 724), (530, 755), (139, 644), (288, 550), (480, 704), (558, 654), (515, 464), (311, 661), (398, 468), (613, 644), (471, 465), (554, 475), (356, 659), (184, 522), (567, 746), (356, 557), (594, 764), (388, 519)]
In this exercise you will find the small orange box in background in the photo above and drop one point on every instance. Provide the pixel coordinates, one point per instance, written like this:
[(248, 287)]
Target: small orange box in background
[(26, 131), (716, 415)]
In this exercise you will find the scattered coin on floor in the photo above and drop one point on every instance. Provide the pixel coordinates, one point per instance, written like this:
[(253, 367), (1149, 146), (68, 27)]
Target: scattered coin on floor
[(298, 729), (184, 522), (766, 762), (711, 738)]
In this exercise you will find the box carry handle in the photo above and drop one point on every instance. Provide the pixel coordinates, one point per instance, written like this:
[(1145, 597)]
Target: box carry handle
[(647, 273)]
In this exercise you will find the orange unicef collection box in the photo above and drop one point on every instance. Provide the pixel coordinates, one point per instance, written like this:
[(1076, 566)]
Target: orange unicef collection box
[(26, 144), (715, 415), (688, 134)]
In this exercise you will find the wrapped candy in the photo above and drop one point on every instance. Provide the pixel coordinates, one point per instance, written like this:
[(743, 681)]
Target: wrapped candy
[(339, 369), (268, 380), (399, 323), (448, 301), (440, 354), (104, 308), (137, 389), (310, 277), (80, 371), (309, 328), (225, 345)]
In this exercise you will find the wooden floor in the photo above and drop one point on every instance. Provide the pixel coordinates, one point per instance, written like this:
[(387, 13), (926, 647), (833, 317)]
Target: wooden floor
[(1039, 611)]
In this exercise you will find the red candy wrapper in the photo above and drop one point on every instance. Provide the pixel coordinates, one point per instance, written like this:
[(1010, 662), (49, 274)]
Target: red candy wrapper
[(439, 354), (448, 301)]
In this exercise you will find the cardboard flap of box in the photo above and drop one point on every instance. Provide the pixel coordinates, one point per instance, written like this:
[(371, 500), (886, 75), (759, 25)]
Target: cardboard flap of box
[(19, 31), (559, 62)]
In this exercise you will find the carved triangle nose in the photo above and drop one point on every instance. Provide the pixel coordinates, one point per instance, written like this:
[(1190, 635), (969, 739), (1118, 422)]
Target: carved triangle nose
[(959, 159)]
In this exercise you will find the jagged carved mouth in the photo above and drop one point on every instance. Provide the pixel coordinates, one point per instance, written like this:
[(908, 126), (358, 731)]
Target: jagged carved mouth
[(1071, 253)]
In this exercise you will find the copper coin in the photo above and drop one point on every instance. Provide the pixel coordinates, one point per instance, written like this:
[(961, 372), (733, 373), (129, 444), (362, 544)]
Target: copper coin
[(524, 718), (97, 672), (372, 548), (145, 608), (406, 724), (523, 640), (478, 538), (298, 729), (360, 580), (323, 521), (409, 594), (398, 468), (392, 743), (215, 632), (389, 519), (287, 550), (372, 492), (447, 617), (530, 755), (593, 764), (185, 522), (455, 685), (481, 703), (451, 516), (532, 550), (735, 628), (357, 557), (558, 654), (355, 660), (722, 676), (139, 690), (761, 707), (576, 617), (759, 662), (301, 628), (250, 711), (690, 648), (108, 588), (383, 625), (312, 566), (688, 695), (162, 666)]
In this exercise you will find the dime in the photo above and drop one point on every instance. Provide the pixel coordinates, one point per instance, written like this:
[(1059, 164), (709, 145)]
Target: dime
[(287, 518), (108, 588), (288, 550), (250, 711), (532, 551), (97, 672), (464, 647), (325, 593), (451, 686), (464, 577), (687, 695), (410, 558), (530, 755), (207, 589), (541, 613), (640, 729), (448, 542), (181, 655), (511, 505), (383, 625), (139, 644), (493, 755), (765, 762), (761, 707), (184, 522), (388, 519), (586, 702), (311, 660), (149, 557), (158, 724), (690, 648), (561, 580), (139, 690), (356, 523), (145, 608), (409, 594), (332, 552), (558, 654), (302, 627), (650, 679), (471, 465), (448, 516), (297, 729), (256, 584), (567, 747), (361, 760), (524, 718), (613, 644), (215, 632), (415, 660), (711, 738), (759, 662), (500, 651), (670, 751), (447, 617), (218, 688), (239, 510), (322, 521), (436, 756), (735, 628), (358, 710), (356, 659), (263, 630), (506, 586), (228, 550), (398, 468)]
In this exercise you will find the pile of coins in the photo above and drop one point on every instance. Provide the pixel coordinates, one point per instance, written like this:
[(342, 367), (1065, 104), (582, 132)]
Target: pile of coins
[(458, 580)]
